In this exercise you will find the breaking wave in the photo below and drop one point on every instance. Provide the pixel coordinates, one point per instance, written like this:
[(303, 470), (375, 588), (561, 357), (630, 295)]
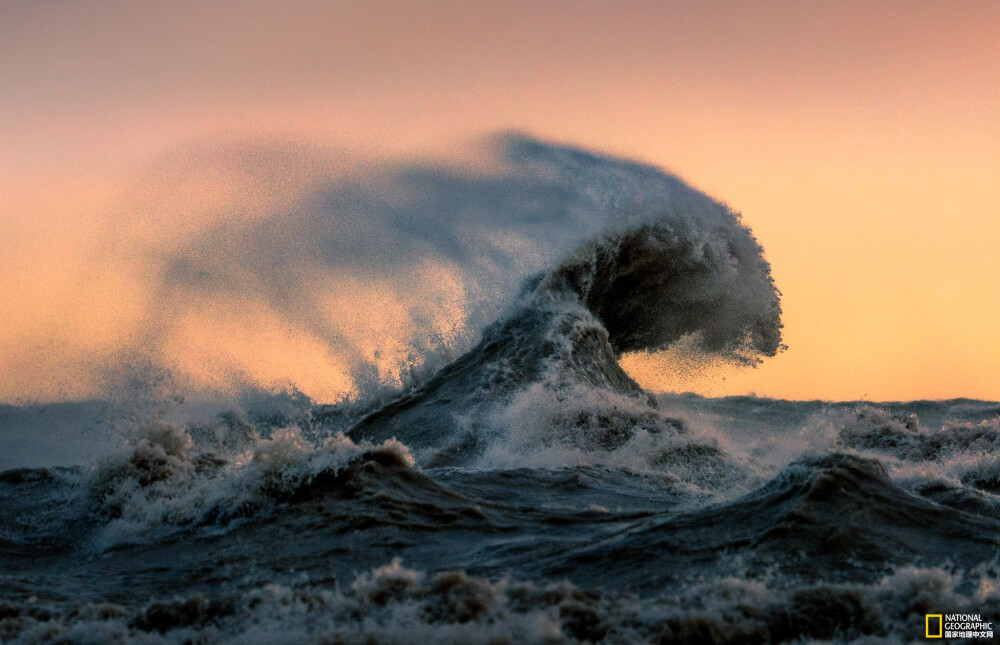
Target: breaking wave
[(671, 264)]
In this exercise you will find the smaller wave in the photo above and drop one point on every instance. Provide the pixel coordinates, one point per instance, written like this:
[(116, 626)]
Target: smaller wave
[(904, 437), (956, 465), (804, 523), (164, 485), (968, 499)]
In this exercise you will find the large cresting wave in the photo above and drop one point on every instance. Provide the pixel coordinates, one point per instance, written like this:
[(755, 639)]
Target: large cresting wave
[(670, 264)]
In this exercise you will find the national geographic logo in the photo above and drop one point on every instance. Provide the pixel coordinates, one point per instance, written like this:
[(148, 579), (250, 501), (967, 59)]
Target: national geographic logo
[(957, 626), (934, 626)]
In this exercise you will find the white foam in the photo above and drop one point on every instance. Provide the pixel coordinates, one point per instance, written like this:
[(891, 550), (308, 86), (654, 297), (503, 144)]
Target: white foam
[(162, 487)]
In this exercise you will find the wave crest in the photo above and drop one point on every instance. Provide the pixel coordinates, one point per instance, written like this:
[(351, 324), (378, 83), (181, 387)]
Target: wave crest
[(670, 264)]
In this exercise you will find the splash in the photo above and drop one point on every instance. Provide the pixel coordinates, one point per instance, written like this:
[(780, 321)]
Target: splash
[(671, 264), (279, 266)]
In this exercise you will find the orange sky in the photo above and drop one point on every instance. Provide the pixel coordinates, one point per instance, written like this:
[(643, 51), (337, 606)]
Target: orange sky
[(859, 140)]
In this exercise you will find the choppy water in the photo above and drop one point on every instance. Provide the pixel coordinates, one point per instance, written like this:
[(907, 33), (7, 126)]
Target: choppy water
[(850, 520), (529, 491)]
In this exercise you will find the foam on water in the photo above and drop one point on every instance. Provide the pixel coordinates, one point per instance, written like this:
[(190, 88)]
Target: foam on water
[(163, 486), (395, 604)]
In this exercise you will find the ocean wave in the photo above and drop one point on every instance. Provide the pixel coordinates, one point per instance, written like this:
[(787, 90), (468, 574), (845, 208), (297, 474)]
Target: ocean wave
[(672, 265), (902, 435), (163, 486)]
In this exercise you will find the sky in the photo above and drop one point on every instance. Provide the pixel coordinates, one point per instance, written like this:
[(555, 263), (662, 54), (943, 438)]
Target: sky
[(859, 141)]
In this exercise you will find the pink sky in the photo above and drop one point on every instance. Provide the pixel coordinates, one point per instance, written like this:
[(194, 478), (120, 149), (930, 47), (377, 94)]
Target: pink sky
[(859, 140)]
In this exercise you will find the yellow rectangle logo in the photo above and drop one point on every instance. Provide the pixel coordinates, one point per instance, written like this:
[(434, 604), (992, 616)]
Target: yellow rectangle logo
[(940, 626)]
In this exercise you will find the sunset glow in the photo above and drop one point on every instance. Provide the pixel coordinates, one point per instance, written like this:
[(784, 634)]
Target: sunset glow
[(859, 141)]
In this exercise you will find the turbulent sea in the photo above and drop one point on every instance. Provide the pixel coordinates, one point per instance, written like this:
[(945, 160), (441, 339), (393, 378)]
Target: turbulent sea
[(527, 491)]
